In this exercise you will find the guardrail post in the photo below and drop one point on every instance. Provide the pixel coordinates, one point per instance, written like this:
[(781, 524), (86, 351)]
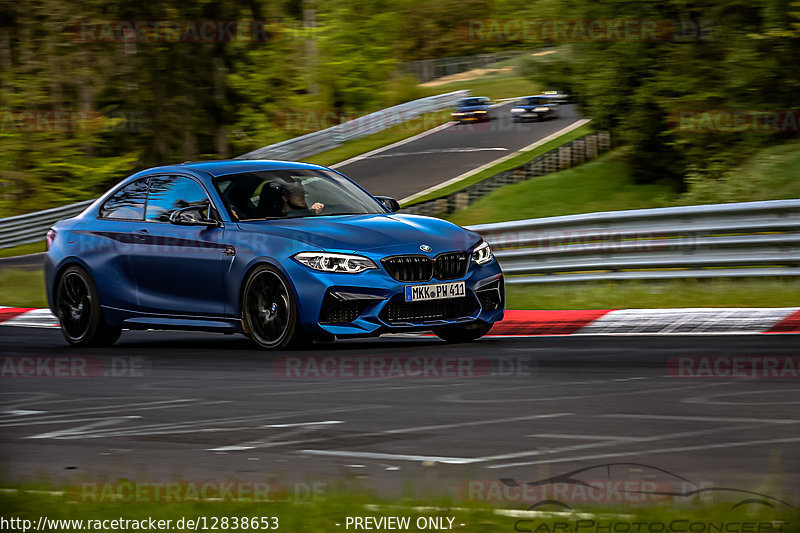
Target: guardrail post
[(461, 200), (564, 156), (603, 140), (537, 166), (591, 145), (578, 151)]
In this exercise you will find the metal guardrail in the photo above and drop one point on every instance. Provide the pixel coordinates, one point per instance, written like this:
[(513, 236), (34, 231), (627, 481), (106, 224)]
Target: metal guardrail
[(31, 227), (320, 141), (751, 239)]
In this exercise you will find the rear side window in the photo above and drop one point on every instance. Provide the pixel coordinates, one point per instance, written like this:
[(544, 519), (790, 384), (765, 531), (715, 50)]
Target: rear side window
[(170, 193), (127, 203)]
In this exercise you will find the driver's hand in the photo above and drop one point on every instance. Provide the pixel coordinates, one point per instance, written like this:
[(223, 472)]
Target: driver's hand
[(317, 207)]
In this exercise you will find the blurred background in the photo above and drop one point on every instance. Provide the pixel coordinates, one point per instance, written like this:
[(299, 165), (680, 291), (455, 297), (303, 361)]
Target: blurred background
[(87, 96)]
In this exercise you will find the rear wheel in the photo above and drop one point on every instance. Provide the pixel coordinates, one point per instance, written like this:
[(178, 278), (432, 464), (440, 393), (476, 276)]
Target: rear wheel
[(470, 332), (78, 310), (269, 311)]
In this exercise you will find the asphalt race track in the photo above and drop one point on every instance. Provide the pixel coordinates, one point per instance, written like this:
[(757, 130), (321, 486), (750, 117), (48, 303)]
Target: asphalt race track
[(196, 406), (414, 166)]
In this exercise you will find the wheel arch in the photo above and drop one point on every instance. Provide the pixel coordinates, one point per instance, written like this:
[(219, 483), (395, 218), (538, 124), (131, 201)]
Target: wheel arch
[(58, 272), (254, 264)]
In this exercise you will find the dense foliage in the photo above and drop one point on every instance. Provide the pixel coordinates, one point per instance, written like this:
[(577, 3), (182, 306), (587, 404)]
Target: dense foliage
[(717, 57)]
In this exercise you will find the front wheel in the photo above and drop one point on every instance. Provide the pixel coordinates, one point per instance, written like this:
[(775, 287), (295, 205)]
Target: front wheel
[(77, 307), (269, 311), (468, 333)]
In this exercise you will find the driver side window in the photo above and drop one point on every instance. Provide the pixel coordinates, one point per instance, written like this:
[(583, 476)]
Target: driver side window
[(170, 193)]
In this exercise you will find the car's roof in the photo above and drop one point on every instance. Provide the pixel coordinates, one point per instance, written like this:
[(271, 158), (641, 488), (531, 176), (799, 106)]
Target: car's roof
[(233, 166)]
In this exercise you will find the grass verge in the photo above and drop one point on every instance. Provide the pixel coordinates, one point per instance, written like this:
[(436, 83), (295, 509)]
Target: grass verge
[(770, 174), (604, 184), (332, 512), (656, 294), (509, 164), (22, 288), (22, 249)]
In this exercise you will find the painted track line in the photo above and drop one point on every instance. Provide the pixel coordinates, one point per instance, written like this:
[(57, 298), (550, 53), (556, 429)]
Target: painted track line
[(572, 126)]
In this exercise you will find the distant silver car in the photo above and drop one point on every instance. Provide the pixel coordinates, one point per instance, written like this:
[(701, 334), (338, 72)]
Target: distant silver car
[(557, 97), (538, 107)]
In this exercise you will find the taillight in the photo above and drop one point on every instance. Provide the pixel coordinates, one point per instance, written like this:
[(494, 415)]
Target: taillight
[(49, 238)]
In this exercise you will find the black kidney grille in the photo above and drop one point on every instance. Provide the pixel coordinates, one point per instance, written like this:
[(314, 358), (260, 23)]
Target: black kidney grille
[(417, 268), (409, 267), (451, 265)]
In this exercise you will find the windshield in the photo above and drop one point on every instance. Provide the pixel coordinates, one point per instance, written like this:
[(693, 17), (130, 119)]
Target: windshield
[(292, 194), (471, 102), (535, 100)]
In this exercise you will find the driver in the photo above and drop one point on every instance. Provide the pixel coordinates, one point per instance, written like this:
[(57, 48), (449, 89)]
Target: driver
[(294, 199)]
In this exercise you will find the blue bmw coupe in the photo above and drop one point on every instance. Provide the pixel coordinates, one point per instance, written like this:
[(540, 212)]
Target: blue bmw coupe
[(282, 252)]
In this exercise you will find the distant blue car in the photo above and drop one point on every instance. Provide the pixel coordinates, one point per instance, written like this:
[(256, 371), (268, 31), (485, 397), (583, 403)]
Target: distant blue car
[(538, 107), (473, 109), (282, 252)]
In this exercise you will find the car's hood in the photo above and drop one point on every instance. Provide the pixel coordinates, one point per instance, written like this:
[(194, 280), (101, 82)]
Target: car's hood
[(383, 233)]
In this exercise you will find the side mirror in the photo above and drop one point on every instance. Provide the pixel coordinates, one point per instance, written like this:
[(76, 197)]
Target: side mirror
[(389, 203), (192, 216)]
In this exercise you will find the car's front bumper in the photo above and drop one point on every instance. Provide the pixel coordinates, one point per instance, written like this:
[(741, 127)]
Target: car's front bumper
[(530, 115), (372, 302), (471, 117)]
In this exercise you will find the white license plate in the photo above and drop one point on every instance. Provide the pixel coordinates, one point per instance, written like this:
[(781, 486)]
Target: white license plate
[(436, 291)]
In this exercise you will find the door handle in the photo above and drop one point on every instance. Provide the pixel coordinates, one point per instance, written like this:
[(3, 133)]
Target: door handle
[(141, 234), (229, 250)]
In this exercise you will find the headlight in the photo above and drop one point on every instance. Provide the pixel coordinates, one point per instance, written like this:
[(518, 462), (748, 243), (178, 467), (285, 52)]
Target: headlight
[(517, 110), (482, 253), (457, 114), (541, 109), (479, 111), (344, 263)]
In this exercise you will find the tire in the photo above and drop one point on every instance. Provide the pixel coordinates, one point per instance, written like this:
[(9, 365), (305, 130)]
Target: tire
[(468, 333), (77, 307), (269, 310)]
